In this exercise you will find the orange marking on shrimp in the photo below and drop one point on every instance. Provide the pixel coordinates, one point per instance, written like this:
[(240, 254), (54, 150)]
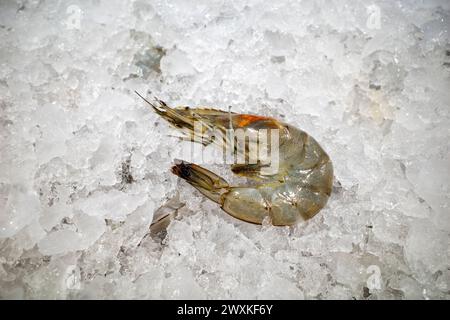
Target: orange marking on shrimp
[(245, 119)]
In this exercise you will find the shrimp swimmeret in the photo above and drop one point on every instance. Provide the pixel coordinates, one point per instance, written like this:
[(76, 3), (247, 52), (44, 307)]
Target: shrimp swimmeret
[(298, 189)]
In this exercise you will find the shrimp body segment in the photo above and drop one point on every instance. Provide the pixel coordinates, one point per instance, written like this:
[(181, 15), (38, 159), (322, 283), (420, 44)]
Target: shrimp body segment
[(296, 192)]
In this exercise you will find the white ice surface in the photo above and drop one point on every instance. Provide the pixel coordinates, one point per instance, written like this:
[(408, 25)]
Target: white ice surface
[(84, 163)]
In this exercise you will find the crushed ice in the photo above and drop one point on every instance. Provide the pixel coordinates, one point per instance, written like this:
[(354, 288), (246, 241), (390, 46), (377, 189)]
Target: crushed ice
[(85, 164)]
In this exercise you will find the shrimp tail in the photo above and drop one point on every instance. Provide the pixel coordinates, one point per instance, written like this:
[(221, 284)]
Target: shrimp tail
[(205, 181)]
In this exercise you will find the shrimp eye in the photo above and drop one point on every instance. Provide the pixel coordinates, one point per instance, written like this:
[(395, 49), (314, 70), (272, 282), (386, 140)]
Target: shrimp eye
[(182, 170), (185, 170)]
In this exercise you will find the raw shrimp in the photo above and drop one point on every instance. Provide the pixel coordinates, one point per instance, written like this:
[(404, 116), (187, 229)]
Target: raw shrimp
[(296, 192)]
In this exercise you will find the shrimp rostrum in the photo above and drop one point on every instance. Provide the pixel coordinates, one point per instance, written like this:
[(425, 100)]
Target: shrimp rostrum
[(294, 190)]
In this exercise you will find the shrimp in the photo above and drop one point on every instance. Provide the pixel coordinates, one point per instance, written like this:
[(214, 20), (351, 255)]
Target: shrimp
[(296, 192)]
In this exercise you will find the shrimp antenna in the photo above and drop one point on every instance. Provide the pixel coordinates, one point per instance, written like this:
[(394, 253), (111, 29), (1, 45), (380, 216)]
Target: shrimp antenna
[(143, 98), (158, 110)]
